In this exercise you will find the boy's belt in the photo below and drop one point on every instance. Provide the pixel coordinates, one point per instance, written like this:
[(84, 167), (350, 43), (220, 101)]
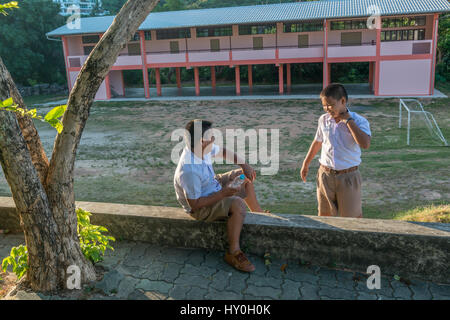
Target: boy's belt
[(339, 171)]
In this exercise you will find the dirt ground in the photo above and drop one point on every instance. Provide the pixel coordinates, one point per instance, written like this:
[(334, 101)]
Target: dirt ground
[(125, 153)]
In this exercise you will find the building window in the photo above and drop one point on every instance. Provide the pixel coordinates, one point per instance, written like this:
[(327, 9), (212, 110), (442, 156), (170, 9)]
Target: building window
[(148, 35), (214, 32), (173, 33), (403, 35), (90, 39), (303, 27), (135, 37), (349, 25), (87, 50), (257, 29), (404, 22)]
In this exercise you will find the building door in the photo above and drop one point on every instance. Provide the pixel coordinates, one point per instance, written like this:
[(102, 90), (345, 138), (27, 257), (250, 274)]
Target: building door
[(351, 38)]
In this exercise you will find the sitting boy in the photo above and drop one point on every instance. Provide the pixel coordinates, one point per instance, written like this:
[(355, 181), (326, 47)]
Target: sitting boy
[(206, 196)]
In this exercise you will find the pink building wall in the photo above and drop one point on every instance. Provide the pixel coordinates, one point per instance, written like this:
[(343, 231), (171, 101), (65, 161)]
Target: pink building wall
[(405, 77), (115, 82)]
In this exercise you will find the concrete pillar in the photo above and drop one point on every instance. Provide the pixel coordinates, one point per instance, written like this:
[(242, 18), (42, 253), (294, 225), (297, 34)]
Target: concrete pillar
[(250, 77), (238, 80), (326, 74), (108, 88), (288, 76), (178, 72), (213, 77), (197, 81), (158, 81), (280, 79)]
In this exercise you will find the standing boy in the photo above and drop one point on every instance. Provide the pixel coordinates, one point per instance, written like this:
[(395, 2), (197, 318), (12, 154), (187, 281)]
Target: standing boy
[(340, 134)]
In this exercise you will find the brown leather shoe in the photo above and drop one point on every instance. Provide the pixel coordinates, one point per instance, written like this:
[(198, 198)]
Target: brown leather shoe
[(239, 261)]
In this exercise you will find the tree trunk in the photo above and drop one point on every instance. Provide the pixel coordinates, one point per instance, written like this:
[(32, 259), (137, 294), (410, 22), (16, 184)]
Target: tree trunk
[(43, 193)]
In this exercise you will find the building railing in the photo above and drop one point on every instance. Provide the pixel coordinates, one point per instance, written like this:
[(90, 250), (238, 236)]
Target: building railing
[(268, 52)]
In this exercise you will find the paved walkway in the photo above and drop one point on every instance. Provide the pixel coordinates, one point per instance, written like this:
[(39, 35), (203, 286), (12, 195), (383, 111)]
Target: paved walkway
[(136, 270), (259, 92)]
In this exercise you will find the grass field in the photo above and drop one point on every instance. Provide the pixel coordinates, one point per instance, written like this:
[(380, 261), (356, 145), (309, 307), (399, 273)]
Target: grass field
[(124, 155)]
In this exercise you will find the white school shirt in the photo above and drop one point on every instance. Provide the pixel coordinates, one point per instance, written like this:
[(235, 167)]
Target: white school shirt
[(194, 177), (339, 149)]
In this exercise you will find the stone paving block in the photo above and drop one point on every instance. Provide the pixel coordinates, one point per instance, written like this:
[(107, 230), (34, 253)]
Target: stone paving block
[(309, 291), (133, 271), (263, 281), (420, 290), (213, 258), (185, 279), (327, 277), (196, 293), (198, 270), (261, 292), (385, 289), (300, 275), (157, 286), (290, 290), (196, 257), (175, 255), (336, 293), (238, 281), (220, 280), (440, 291), (178, 292), (138, 295), (401, 290), (223, 295), (110, 281), (171, 272), (154, 271), (274, 270), (126, 287), (366, 296), (258, 262)]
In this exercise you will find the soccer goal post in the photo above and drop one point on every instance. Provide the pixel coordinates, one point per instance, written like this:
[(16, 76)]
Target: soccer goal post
[(415, 106)]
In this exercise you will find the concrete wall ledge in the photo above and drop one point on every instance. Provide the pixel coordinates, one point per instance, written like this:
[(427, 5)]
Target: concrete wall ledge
[(408, 249)]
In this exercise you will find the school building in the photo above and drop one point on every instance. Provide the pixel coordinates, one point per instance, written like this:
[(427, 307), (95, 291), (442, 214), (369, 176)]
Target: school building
[(401, 53)]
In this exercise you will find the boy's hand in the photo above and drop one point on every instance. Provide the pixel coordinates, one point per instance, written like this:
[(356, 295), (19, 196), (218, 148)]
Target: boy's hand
[(249, 172), (304, 172), (228, 191)]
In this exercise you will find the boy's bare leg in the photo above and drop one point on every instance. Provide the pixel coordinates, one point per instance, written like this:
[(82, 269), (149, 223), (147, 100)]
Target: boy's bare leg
[(251, 200), (234, 223)]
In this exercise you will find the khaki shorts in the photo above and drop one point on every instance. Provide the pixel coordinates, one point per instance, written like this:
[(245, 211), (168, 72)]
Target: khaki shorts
[(339, 194), (221, 209)]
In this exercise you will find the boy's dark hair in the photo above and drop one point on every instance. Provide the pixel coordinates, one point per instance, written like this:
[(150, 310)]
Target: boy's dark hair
[(190, 127), (335, 91)]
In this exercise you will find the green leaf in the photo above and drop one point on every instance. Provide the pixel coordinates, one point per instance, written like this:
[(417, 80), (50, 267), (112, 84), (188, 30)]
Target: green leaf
[(55, 113), (8, 102)]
